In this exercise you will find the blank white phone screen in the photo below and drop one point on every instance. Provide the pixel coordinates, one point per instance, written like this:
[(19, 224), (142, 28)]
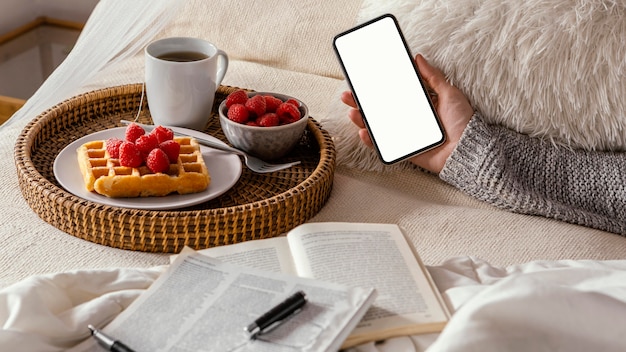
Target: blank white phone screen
[(381, 72)]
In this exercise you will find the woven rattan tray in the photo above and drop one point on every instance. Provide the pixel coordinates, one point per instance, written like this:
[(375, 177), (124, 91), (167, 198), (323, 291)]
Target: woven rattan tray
[(258, 206)]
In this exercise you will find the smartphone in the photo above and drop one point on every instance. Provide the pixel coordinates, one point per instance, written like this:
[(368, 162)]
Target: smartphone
[(388, 89)]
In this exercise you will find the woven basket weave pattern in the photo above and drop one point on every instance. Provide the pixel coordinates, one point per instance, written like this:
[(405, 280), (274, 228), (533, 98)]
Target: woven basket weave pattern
[(258, 206)]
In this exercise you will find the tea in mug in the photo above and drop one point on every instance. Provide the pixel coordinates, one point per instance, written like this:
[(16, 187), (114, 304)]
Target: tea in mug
[(183, 56)]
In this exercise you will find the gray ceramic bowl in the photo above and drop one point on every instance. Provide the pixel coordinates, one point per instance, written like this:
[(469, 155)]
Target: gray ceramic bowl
[(264, 142)]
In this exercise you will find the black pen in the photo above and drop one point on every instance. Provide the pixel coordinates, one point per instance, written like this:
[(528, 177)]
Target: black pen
[(108, 342), (277, 315)]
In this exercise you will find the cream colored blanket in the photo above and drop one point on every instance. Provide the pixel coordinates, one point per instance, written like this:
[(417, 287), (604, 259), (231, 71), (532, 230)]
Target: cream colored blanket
[(288, 50), (538, 306)]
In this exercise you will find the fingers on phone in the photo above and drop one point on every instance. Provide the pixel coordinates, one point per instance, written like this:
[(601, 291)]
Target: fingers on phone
[(356, 118), (434, 78), (365, 137), (348, 99)]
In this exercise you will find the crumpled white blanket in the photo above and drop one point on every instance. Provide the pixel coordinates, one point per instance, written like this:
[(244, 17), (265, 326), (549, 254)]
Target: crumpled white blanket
[(537, 306)]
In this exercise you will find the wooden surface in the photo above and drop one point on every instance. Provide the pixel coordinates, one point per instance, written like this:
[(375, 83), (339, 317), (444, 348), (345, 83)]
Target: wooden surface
[(40, 21), (8, 106)]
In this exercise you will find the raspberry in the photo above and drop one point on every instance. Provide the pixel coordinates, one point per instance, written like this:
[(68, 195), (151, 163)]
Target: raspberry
[(252, 123), (163, 134), (129, 155), (113, 147), (293, 102), (272, 103), (171, 149), (238, 113), (287, 113), (256, 105), (268, 119), (157, 161), (236, 97), (146, 143), (134, 131)]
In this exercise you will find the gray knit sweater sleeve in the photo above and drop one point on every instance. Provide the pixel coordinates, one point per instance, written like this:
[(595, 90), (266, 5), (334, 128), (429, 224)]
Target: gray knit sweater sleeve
[(532, 176)]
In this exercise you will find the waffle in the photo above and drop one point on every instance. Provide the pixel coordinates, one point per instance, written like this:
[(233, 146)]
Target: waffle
[(106, 176)]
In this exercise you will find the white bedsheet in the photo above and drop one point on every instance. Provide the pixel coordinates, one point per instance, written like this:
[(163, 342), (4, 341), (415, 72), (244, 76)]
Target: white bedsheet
[(538, 306)]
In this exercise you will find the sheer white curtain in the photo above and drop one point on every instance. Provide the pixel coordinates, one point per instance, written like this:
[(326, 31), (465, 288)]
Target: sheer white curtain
[(115, 30)]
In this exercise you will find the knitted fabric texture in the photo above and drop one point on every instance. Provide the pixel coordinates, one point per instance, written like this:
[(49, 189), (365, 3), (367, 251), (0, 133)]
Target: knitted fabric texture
[(533, 176)]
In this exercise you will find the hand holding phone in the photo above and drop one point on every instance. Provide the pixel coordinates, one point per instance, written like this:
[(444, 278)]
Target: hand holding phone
[(388, 89)]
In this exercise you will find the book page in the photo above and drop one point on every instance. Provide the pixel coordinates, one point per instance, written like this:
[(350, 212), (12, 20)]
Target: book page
[(271, 254), (202, 304), (376, 255)]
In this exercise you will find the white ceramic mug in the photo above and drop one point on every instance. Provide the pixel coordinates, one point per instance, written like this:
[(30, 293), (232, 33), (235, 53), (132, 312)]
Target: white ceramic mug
[(182, 75)]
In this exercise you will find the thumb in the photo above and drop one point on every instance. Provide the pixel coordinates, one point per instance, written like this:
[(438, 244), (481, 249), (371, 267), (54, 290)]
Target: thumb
[(432, 75)]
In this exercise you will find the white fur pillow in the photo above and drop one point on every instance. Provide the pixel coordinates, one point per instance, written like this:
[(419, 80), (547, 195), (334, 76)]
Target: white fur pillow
[(551, 68)]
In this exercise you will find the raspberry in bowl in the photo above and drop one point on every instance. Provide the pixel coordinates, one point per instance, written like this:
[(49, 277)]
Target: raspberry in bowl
[(266, 125)]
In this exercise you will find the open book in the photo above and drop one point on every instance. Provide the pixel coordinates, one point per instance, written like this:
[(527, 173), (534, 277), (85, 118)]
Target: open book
[(359, 255), (203, 304)]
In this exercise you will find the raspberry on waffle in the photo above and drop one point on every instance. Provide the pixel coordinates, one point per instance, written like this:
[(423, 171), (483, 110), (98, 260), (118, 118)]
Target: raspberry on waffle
[(104, 174)]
